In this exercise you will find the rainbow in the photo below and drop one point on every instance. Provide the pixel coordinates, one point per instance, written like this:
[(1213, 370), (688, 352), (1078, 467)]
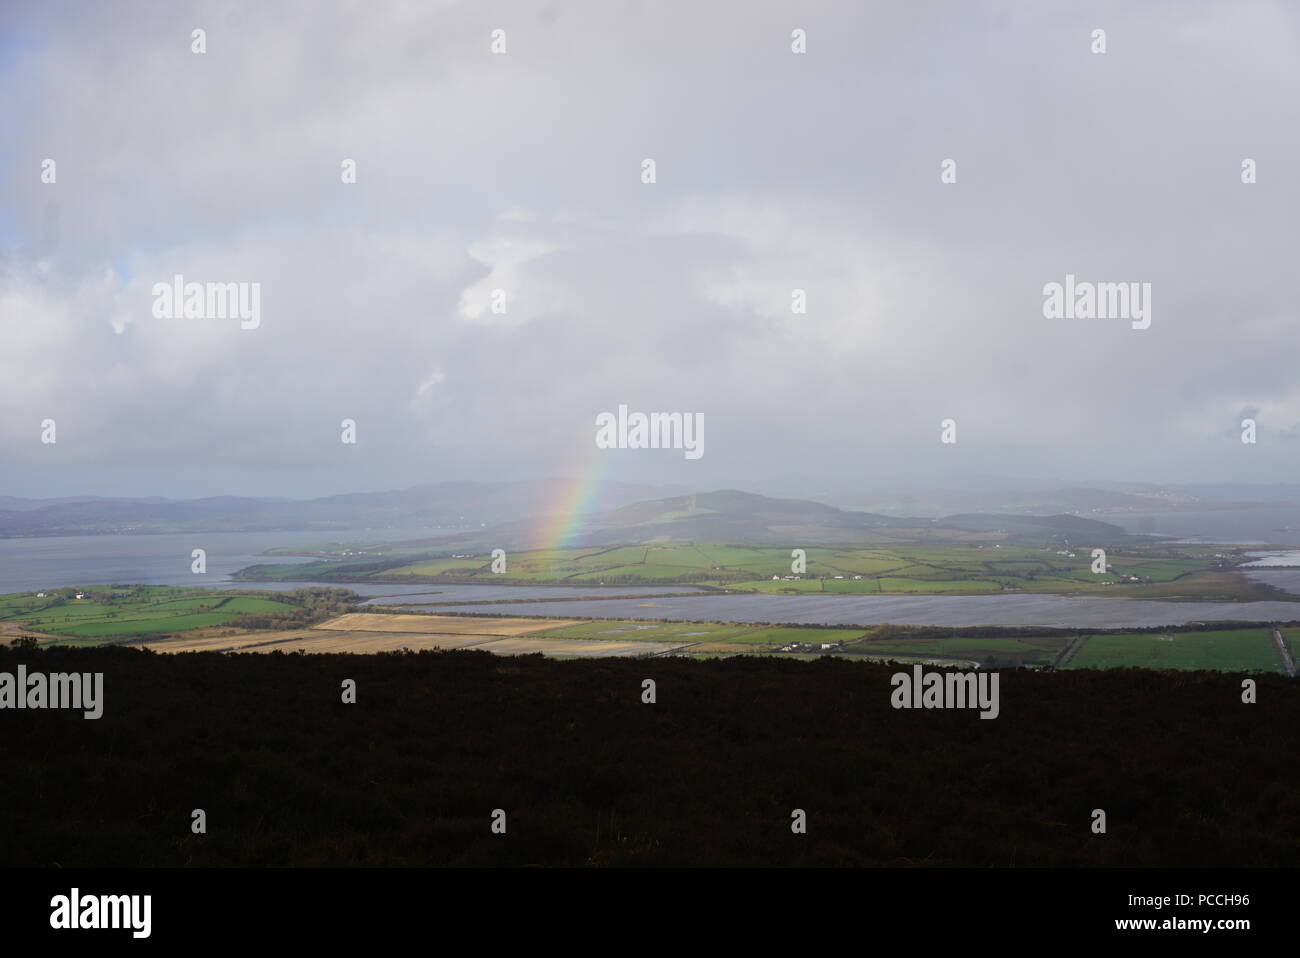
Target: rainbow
[(561, 523)]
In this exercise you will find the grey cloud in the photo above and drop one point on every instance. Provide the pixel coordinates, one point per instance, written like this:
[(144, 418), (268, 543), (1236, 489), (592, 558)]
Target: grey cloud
[(775, 171)]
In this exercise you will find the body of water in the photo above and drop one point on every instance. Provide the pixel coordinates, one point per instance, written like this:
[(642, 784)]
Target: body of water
[(29, 565), (51, 562), (1274, 560), (1053, 611), (438, 594), (1263, 526), (1288, 580)]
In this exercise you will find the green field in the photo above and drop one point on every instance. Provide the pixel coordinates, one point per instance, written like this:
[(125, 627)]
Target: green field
[(109, 613), (783, 636), (1151, 571), (747, 638), (988, 652), (1228, 650)]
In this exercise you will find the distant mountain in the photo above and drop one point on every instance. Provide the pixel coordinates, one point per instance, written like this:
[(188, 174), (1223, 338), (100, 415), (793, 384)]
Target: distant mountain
[(392, 514), (16, 504), (745, 517), (887, 503), (1059, 528), (1092, 499)]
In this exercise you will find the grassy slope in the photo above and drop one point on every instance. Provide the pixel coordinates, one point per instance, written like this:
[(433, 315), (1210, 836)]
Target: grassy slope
[(1187, 572)]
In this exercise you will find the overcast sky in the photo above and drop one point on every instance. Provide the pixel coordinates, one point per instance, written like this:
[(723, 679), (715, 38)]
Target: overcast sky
[(522, 171)]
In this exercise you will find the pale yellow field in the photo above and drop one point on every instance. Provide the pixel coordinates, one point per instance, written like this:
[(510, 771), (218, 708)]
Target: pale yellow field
[(365, 642), (338, 640), (441, 624), (323, 640), (218, 643), (364, 632)]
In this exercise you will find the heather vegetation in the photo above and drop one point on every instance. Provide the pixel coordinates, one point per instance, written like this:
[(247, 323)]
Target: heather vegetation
[(588, 774)]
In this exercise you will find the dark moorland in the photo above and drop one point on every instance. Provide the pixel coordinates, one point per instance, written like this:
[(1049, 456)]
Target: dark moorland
[(588, 775)]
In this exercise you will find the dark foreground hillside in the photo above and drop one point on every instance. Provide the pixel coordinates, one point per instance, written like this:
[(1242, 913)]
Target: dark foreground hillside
[(588, 775)]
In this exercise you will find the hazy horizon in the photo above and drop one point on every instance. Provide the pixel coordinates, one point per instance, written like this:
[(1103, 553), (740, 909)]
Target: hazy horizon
[(783, 486)]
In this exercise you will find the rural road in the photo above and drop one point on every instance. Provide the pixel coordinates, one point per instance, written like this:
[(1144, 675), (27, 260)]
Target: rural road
[(1069, 651), (1287, 659)]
